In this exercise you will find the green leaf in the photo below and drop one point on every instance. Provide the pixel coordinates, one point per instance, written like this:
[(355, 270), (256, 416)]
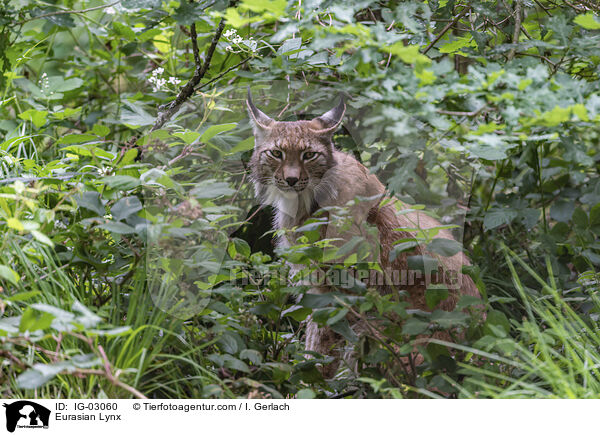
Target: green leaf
[(562, 210), (141, 4), (297, 312), (274, 7), (402, 247), (125, 207), (188, 13), (497, 319), (214, 130), (88, 150), (123, 30), (424, 263), (37, 117), (444, 247), (85, 316), (135, 116), (59, 314), (489, 147), (434, 294), (113, 332), (76, 138), (251, 355), (305, 393), (24, 296), (33, 320), (449, 319), (337, 316), (117, 228), (495, 218), (91, 201), (242, 247), (211, 189), (42, 238), (343, 328), (59, 84), (407, 53), (15, 224), (187, 136), (414, 326), (245, 145), (61, 20), (66, 113), (467, 301), (121, 182), (9, 275), (587, 21), (457, 44), (42, 373), (580, 218), (100, 130), (290, 45)]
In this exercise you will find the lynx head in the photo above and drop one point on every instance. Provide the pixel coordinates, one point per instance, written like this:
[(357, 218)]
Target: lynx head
[(291, 158)]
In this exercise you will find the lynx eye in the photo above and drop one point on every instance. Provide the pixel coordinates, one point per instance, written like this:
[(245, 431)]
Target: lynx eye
[(276, 153), (309, 155)]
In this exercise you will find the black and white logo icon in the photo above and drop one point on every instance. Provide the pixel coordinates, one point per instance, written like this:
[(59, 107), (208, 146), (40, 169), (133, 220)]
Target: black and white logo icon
[(25, 414)]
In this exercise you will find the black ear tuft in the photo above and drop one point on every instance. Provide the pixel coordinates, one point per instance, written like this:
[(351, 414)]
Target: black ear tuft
[(331, 120), (259, 120)]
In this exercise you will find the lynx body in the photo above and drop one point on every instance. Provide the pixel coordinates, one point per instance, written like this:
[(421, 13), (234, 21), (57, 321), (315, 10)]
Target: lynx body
[(296, 168)]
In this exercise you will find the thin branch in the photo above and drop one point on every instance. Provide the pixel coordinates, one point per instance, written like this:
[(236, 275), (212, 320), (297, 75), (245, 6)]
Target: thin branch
[(445, 29), (228, 70), (469, 114), (13, 358), (114, 379), (195, 50), (166, 111), (543, 7), (83, 11), (517, 31), (539, 56)]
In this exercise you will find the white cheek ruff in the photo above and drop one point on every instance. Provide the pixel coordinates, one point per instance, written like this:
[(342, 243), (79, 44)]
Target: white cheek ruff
[(293, 207)]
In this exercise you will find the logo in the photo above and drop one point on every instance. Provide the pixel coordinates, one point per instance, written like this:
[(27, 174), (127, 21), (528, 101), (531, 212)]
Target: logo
[(26, 414)]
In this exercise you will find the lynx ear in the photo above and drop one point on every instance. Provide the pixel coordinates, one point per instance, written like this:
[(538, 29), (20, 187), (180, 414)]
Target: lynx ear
[(261, 123), (331, 120)]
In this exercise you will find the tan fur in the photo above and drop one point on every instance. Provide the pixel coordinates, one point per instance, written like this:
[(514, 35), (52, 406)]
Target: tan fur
[(335, 179)]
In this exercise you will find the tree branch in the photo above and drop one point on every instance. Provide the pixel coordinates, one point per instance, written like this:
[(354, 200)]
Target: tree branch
[(452, 113), (517, 31), (228, 70), (445, 29), (166, 111)]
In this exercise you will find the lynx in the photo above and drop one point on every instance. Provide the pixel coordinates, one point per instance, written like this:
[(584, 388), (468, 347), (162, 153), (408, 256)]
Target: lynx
[(296, 168)]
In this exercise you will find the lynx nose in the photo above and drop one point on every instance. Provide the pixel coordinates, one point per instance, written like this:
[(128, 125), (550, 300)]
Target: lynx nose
[(291, 180)]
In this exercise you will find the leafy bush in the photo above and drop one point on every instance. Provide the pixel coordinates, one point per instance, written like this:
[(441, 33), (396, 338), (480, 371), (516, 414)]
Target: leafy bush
[(135, 261)]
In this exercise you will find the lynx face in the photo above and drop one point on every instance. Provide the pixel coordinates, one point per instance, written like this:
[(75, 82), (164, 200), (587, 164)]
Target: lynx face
[(291, 160), (291, 157)]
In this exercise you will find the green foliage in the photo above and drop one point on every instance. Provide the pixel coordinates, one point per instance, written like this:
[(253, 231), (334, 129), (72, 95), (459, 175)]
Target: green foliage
[(129, 267)]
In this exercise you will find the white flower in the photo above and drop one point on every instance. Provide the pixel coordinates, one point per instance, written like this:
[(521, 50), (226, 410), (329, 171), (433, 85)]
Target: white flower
[(174, 80), (237, 40), (110, 10), (104, 171), (251, 44), (158, 71), (60, 225), (229, 48), (229, 33)]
